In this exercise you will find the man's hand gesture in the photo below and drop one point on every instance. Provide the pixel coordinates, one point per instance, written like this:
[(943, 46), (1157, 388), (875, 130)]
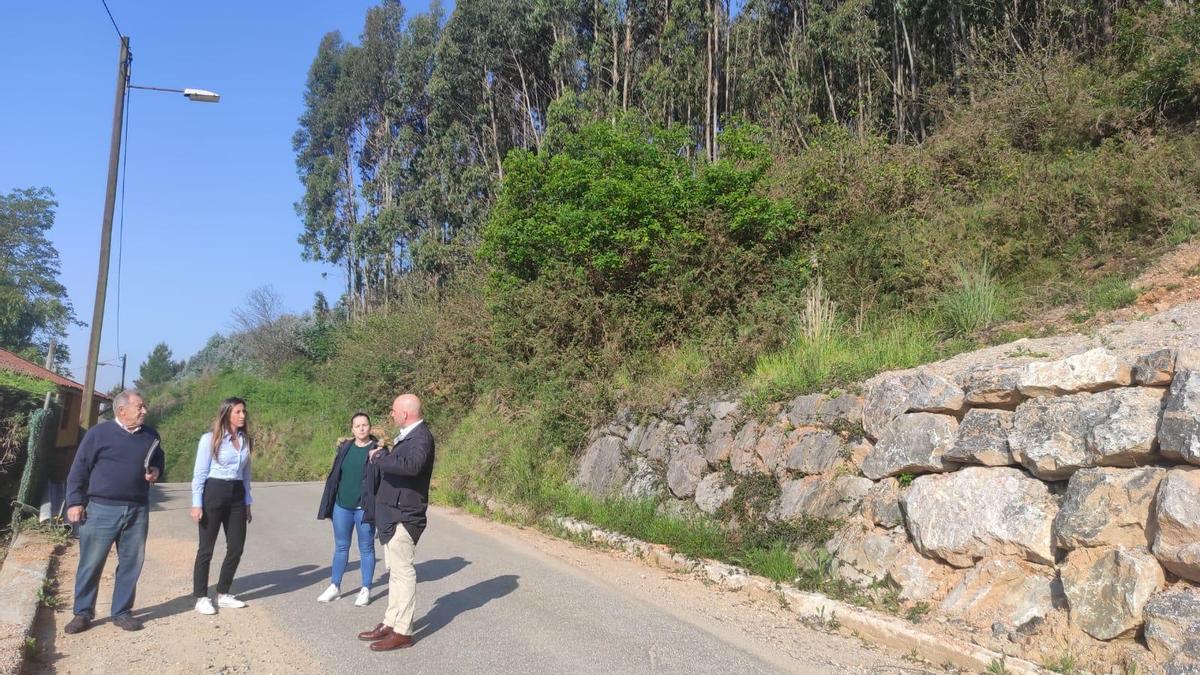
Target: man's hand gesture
[(76, 514)]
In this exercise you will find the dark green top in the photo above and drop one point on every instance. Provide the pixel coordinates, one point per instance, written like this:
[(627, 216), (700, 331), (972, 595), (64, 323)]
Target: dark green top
[(351, 481)]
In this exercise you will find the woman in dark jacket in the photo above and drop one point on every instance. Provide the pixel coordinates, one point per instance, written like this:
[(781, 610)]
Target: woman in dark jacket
[(348, 500)]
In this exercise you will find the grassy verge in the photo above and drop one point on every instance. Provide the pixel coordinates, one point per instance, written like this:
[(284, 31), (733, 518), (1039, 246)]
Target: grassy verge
[(842, 357), (294, 421)]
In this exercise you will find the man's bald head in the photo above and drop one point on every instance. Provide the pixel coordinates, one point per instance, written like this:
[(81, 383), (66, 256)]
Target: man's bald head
[(406, 409)]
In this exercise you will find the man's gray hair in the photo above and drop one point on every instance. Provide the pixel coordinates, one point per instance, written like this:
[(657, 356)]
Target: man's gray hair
[(122, 398)]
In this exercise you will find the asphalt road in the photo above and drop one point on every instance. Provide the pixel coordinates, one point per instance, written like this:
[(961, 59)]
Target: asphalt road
[(490, 598)]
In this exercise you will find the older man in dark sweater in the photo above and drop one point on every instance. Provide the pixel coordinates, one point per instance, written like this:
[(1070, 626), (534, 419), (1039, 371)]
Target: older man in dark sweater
[(108, 496)]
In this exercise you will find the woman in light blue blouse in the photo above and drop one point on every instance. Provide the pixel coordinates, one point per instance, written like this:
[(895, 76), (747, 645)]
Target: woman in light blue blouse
[(221, 499)]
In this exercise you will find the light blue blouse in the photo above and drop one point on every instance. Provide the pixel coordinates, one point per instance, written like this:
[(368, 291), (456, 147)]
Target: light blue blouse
[(231, 464)]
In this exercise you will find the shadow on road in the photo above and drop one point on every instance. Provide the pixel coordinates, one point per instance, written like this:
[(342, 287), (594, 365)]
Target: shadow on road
[(277, 582), (432, 570), (249, 588), (446, 608)]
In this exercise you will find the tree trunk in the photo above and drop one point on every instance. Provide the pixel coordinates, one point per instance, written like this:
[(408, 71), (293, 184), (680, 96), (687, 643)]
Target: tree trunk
[(912, 79), (487, 92), (529, 108), (628, 56)]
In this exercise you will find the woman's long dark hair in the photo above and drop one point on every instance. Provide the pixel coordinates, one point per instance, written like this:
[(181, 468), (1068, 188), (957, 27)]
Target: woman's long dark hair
[(223, 425)]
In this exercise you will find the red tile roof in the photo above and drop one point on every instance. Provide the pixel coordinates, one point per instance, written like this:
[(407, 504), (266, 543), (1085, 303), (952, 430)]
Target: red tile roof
[(10, 361)]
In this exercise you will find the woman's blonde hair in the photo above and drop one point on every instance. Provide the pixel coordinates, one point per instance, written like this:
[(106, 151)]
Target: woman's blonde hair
[(223, 425)]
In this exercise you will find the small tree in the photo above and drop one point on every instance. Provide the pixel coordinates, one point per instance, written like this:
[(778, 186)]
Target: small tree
[(158, 367)]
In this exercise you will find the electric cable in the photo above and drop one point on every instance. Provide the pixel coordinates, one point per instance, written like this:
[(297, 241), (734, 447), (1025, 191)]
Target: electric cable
[(110, 18)]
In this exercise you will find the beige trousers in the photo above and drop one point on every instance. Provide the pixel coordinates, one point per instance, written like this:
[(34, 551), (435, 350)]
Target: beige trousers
[(402, 581)]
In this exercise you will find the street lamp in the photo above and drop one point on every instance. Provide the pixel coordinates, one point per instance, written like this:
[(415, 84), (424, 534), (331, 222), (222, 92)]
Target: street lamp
[(114, 159)]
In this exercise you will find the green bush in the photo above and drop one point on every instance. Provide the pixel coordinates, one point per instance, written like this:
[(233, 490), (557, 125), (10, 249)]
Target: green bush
[(1158, 55), (607, 203)]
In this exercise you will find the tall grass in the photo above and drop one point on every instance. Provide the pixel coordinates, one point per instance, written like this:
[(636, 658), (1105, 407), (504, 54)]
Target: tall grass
[(841, 358), (819, 320), (697, 537), (1110, 292), (974, 303), (494, 451)]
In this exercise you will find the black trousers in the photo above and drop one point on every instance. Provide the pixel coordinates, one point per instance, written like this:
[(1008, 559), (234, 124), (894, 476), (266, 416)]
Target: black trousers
[(224, 507)]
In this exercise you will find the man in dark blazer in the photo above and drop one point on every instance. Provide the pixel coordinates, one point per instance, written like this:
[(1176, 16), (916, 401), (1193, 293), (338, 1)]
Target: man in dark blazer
[(401, 501)]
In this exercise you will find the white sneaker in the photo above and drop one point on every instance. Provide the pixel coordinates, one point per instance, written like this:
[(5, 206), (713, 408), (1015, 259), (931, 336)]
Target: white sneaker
[(364, 597), (329, 594), (205, 606), (229, 601)]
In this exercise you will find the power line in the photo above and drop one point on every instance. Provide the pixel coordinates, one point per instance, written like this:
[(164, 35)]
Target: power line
[(110, 18)]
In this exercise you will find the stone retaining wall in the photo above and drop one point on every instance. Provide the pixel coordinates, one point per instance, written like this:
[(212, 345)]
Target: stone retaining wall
[(1037, 501)]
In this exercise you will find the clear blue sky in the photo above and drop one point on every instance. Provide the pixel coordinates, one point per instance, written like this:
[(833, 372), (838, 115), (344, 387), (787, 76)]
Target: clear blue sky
[(209, 188)]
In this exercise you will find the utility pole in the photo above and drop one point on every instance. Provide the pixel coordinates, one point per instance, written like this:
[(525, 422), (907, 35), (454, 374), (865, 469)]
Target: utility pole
[(110, 198), (50, 366), (123, 357)]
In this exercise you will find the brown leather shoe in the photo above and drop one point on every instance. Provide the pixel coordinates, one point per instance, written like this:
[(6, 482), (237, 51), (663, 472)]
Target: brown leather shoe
[(379, 632), (393, 641)]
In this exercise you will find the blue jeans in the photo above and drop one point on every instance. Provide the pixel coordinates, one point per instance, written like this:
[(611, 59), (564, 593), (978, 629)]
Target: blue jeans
[(104, 525), (345, 522)]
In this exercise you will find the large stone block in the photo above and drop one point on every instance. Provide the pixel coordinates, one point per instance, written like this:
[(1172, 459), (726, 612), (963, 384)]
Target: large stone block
[(772, 448), (712, 492), (602, 469), (819, 409), (1001, 590), (1107, 507), (1172, 618), (1155, 368), (993, 385), (893, 394), (718, 444), (862, 554), (819, 497), (881, 505), (1177, 521), (1179, 435), (918, 578), (1092, 370), (1186, 661), (743, 455), (645, 481), (912, 443), (814, 451), (1055, 436), (684, 471), (1107, 588), (720, 410), (979, 512), (982, 438), (660, 437)]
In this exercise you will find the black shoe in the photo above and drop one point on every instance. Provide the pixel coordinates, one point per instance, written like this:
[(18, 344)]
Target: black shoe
[(127, 622), (80, 623)]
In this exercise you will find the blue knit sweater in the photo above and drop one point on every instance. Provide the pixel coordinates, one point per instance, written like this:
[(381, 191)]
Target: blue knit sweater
[(110, 466)]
